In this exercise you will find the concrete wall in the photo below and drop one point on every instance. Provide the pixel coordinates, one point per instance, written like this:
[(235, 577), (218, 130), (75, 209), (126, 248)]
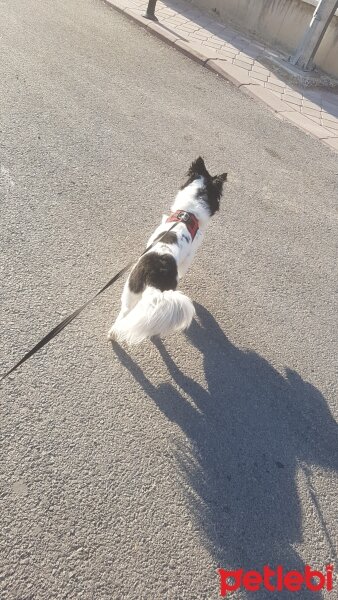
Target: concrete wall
[(327, 54), (280, 23)]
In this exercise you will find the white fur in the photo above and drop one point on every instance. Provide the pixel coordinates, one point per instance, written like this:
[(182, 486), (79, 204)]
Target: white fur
[(161, 313), (157, 313)]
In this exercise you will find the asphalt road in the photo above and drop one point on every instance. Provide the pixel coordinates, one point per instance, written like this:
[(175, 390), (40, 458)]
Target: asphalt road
[(134, 474)]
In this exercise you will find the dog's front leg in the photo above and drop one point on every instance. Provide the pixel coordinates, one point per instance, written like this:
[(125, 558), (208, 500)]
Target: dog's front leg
[(186, 262), (184, 266)]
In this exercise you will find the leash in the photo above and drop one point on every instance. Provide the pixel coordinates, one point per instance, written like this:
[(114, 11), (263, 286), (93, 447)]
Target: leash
[(54, 332)]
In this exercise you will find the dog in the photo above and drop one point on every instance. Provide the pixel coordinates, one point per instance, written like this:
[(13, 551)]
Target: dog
[(150, 303)]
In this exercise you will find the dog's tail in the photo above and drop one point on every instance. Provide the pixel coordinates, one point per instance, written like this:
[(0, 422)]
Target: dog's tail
[(157, 313)]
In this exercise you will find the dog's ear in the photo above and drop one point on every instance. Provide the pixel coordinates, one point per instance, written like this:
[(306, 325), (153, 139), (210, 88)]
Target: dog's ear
[(220, 179), (197, 167)]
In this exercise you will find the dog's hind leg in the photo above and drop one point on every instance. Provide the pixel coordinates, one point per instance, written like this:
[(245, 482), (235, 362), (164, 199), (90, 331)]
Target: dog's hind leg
[(128, 301)]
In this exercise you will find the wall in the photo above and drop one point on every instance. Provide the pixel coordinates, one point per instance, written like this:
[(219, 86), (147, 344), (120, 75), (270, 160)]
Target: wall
[(280, 23)]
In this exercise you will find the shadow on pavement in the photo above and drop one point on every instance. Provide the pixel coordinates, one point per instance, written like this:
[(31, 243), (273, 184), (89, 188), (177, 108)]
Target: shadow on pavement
[(253, 433)]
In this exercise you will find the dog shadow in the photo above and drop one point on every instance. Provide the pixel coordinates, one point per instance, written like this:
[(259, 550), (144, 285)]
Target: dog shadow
[(254, 434)]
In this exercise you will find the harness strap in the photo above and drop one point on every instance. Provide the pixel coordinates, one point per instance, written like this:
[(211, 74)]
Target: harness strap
[(187, 218)]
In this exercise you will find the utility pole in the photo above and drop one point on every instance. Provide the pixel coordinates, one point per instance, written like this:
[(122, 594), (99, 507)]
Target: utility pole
[(150, 12), (309, 45)]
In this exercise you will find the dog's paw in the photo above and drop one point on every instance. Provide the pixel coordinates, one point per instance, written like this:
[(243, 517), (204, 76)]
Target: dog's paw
[(111, 337)]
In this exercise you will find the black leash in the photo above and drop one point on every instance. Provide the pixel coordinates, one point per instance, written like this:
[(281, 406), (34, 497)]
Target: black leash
[(54, 332)]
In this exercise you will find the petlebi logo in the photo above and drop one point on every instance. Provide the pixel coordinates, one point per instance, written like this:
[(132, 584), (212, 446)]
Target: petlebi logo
[(275, 580)]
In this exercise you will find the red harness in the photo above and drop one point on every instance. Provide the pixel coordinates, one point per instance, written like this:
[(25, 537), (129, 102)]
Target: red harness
[(188, 219)]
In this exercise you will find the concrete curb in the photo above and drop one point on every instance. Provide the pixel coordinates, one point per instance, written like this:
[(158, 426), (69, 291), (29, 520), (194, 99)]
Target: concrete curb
[(212, 61)]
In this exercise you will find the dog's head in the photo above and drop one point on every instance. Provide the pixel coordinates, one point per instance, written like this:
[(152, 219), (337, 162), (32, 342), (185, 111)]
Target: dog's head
[(213, 184)]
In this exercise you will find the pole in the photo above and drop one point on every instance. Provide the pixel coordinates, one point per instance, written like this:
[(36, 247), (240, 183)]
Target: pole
[(150, 13), (309, 45)]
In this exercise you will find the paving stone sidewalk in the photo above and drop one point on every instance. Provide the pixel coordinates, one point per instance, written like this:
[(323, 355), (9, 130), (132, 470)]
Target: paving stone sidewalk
[(243, 61)]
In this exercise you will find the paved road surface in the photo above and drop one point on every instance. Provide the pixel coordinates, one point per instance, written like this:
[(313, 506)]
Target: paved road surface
[(132, 475)]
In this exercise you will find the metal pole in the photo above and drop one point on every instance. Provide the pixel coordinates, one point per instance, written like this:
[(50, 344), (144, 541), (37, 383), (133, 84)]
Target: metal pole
[(309, 45), (150, 14)]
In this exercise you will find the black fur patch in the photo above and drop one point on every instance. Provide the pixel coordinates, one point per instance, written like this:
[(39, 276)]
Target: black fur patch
[(212, 192), (168, 238), (157, 270)]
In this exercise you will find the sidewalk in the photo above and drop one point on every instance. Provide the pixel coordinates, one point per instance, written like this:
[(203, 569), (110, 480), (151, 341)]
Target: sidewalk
[(242, 61)]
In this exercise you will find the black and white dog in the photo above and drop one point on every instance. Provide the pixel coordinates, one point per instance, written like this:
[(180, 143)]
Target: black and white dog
[(151, 305)]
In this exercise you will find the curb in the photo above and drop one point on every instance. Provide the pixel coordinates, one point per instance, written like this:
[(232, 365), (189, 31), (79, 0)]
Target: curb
[(229, 72)]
